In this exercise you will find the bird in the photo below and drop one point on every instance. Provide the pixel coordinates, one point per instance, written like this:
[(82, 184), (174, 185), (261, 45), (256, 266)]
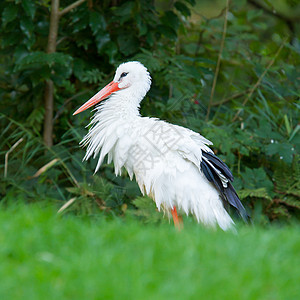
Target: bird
[(172, 164)]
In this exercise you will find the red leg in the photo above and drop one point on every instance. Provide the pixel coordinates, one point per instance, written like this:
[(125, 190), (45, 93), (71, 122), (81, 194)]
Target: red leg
[(177, 220)]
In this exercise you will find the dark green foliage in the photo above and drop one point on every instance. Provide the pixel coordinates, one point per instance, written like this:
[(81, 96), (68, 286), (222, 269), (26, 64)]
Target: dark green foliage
[(253, 116)]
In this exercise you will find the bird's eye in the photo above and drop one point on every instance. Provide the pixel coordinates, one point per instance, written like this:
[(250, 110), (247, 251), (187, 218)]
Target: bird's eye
[(123, 74)]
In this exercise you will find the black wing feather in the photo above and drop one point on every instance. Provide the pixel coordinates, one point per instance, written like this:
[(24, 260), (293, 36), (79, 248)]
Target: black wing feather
[(219, 164), (211, 175), (233, 199), (228, 193)]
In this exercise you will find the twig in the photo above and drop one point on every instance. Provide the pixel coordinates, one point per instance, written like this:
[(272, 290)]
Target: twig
[(289, 21), (234, 96), (70, 7), (61, 109), (218, 63), (61, 40), (170, 91), (64, 165), (211, 18), (199, 43), (259, 79), (7, 153), (45, 168), (67, 204)]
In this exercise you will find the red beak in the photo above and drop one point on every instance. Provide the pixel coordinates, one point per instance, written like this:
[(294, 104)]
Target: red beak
[(104, 93)]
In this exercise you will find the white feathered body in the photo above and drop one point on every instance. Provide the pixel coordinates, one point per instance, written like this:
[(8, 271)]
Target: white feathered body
[(164, 158)]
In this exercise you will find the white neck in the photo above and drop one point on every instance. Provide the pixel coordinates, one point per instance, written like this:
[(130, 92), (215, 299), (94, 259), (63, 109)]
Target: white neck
[(119, 106), (111, 117)]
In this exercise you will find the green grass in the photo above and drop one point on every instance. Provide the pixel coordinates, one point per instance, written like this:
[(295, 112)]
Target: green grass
[(45, 256)]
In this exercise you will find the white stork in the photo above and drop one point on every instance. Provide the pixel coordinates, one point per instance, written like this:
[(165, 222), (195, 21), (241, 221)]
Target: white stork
[(173, 165)]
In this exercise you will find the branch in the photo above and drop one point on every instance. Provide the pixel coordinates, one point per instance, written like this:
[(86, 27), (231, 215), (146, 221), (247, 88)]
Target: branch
[(53, 26), (218, 63), (211, 18), (67, 204), (61, 40), (44, 168), (288, 21), (61, 109), (70, 7), (259, 79), (199, 42), (8, 152), (234, 96)]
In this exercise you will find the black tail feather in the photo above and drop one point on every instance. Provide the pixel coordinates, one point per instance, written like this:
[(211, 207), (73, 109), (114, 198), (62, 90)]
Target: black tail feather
[(228, 192), (234, 200)]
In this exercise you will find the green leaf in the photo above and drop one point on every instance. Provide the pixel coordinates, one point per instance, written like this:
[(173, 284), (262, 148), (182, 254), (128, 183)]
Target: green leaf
[(124, 10), (111, 50), (74, 190), (128, 44), (36, 118), (287, 124), (37, 57), (97, 22), (38, 74), (59, 58), (181, 7), (295, 131), (167, 31), (256, 178), (154, 64), (253, 14), (280, 211), (79, 66), (92, 76), (29, 7), (146, 210), (27, 26), (284, 150), (255, 193), (192, 2), (102, 40), (80, 20), (170, 19), (11, 39), (293, 202), (20, 53), (142, 27), (9, 13)]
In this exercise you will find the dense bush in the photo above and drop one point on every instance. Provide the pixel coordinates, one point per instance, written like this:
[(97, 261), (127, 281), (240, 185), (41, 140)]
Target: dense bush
[(233, 77)]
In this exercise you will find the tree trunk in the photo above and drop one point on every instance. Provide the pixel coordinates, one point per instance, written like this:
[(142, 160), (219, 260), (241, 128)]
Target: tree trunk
[(51, 48), (48, 124), (49, 89)]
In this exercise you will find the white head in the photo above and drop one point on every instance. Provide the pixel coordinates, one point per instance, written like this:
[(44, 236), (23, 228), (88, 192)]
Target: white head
[(133, 76), (131, 80)]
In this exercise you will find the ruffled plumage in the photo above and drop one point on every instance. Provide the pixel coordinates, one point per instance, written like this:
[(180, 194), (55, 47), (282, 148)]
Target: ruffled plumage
[(173, 165)]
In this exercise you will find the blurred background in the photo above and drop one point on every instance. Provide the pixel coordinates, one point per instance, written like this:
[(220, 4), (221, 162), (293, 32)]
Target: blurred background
[(226, 69)]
